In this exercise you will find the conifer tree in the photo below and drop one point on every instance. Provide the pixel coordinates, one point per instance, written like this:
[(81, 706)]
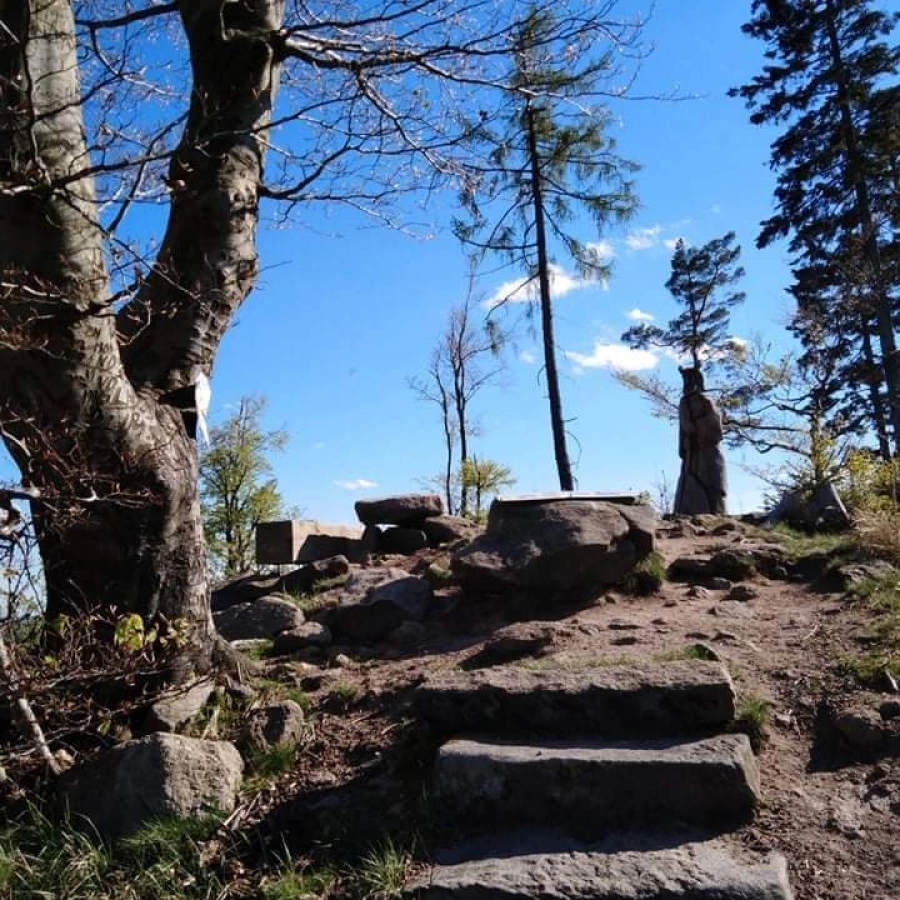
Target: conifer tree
[(551, 159), (827, 84), (699, 276)]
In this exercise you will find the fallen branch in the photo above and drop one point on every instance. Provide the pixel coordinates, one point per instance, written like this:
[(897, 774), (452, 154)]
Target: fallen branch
[(25, 710)]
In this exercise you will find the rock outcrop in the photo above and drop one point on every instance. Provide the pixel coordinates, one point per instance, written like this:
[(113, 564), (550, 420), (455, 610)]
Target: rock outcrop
[(557, 544)]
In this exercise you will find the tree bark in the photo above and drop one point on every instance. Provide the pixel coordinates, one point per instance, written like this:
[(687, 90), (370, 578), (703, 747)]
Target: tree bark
[(84, 403), (557, 422)]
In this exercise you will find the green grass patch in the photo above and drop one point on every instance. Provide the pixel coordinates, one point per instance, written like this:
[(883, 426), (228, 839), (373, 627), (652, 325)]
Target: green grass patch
[(882, 596), (681, 654), (41, 859), (260, 650), (264, 766), (298, 884), (381, 872), (752, 719), (272, 689), (646, 578), (798, 544)]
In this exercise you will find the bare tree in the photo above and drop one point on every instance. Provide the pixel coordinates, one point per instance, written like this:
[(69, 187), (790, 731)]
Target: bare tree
[(456, 374), (171, 108)]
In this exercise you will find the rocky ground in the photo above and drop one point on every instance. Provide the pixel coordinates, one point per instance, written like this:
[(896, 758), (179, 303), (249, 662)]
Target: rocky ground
[(829, 752), (831, 785)]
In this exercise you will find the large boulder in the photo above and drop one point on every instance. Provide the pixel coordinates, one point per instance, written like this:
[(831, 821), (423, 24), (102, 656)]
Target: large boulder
[(406, 509), (264, 618), (375, 602), (821, 510), (155, 777), (557, 544), (449, 529)]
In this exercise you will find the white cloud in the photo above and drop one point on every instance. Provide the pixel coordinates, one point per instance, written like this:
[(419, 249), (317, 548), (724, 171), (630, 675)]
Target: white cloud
[(524, 290), (528, 358), (356, 484), (672, 243), (638, 315), (643, 238), (738, 343), (614, 356), (604, 249)]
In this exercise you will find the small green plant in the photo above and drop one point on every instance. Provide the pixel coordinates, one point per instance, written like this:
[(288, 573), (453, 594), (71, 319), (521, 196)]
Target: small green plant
[(297, 884), (301, 698), (345, 692), (752, 719), (382, 871), (266, 765), (646, 578)]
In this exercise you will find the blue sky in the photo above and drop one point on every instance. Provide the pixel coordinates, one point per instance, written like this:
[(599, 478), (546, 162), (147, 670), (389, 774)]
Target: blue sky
[(346, 312)]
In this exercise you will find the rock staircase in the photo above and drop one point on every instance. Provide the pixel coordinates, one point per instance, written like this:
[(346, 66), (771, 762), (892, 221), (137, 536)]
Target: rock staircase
[(607, 784)]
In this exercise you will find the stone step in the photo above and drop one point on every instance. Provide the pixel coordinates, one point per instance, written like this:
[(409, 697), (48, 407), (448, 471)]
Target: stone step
[(699, 871), (653, 700), (590, 788)]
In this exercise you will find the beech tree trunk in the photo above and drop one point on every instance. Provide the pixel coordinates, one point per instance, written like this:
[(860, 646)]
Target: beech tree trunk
[(86, 403)]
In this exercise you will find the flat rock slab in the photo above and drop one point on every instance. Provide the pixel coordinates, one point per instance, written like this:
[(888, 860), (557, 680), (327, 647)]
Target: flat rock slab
[(588, 789), (403, 509), (651, 700), (624, 497), (706, 871)]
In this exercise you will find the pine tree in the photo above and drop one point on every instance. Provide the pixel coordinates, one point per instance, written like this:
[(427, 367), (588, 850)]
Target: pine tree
[(699, 276), (836, 159), (551, 159)]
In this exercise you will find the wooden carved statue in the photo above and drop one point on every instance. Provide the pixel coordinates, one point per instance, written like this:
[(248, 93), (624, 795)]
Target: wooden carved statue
[(702, 484)]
